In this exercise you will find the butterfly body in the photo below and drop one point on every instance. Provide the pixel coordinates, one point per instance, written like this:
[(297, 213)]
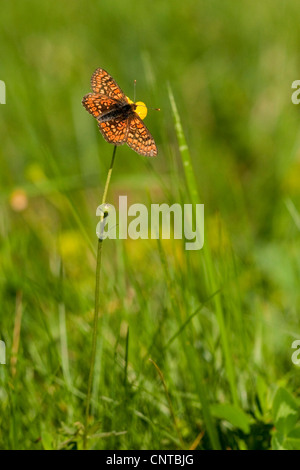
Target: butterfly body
[(117, 118), (123, 111)]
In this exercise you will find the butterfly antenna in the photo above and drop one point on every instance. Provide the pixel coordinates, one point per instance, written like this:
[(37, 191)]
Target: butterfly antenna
[(134, 89), (134, 97), (149, 107)]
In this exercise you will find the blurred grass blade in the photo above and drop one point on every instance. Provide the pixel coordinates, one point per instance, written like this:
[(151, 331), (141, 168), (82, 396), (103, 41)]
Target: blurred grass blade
[(63, 330), (184, 152), (194, 367), (293, 212), (16, 334), (189, 318), (171, 409), (211, 278), (126, 357)]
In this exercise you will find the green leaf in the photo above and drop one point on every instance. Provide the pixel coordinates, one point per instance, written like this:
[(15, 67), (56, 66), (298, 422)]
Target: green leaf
[(291, 442), (262, 390), (295, 433), (234, 415), (285, 411), (277, 441), (47, 440)]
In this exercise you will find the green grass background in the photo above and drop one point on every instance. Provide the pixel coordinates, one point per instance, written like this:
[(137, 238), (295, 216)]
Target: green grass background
[(218, 323)]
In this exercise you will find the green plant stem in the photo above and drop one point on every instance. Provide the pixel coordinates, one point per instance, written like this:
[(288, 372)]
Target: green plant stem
[(97, 303), (198, 373)]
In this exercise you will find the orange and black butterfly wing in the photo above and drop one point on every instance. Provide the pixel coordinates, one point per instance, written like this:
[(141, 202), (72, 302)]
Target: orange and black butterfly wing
[(103, 84), (107, 96), (139, 138), (115, 130), (97, 104)]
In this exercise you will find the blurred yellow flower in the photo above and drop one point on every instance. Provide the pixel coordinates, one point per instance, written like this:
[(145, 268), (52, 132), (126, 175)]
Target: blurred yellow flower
[(70, 244), (291, 182), (35, 173)]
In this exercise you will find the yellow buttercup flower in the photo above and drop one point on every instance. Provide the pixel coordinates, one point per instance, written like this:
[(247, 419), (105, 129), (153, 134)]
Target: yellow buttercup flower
[(141, 108)]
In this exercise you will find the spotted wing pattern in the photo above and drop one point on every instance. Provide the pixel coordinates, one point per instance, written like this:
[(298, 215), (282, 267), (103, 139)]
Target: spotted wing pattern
[(98, 104), (115, 130), (124, 127), (139, 138), (104, 84)]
